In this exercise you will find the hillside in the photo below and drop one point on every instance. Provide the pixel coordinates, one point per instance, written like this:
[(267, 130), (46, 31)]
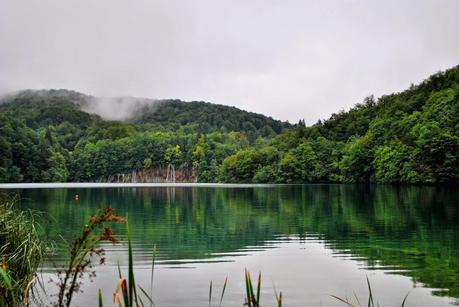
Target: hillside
[(206, 117), (61, 135), (407, 137), (41, 108)]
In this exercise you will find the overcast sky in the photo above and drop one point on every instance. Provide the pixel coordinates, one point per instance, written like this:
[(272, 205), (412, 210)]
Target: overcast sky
[(283, 58)]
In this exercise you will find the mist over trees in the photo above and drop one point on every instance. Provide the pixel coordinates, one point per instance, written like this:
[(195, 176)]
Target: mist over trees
[(407, 137)]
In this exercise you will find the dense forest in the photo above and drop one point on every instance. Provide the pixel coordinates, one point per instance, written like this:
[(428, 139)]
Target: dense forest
[(407, 137)]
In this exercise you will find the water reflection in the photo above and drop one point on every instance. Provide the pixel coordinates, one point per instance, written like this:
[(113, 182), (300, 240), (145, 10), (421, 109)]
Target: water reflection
[(412, 231)]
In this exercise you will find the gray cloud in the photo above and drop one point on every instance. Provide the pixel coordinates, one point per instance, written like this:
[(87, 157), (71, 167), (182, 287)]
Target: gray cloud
[(288, 59)]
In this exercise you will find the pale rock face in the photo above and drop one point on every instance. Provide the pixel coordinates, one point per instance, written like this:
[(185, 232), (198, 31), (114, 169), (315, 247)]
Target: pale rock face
[(164, 174)]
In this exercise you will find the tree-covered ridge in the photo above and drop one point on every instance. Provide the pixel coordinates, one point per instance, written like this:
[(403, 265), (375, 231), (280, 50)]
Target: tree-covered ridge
[(52, 107), (206, 117), (48, 136), (40, 109), (407, 137)]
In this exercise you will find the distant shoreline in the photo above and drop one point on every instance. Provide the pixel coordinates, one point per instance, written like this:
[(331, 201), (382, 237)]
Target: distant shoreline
[(6, 186)]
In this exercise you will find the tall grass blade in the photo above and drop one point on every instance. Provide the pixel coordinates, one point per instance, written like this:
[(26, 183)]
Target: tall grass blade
[(146, 295), (152, 272), (258, 288), (141, 302), (278, 297), (223, 291), (210, 293), (404, 300), (357, 299), (252, 294), (345, 301), (101, 303), (119, 270), (247, 289), (370, 297), (131, 283)]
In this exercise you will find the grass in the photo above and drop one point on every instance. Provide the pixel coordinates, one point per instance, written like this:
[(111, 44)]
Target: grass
[(252, 300), (370, 303), (21, 249), (127, 295), (221, 295)]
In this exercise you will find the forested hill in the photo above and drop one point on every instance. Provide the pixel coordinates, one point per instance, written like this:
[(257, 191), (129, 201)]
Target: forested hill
[(205, 117), (52, 107), (407, 137)]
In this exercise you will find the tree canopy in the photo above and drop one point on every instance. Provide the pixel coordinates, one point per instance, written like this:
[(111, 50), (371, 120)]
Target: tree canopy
[(407, 137)]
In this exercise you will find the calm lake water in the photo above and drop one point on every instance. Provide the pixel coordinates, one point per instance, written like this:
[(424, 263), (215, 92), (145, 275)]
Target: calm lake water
[(309, 241)]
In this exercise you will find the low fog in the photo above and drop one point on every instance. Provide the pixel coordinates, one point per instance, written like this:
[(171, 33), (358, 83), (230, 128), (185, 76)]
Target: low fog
[(118, 108), (287, 59)]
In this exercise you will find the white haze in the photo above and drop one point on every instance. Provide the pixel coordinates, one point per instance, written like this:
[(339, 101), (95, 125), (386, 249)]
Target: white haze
[(118, 108), (288, 59)]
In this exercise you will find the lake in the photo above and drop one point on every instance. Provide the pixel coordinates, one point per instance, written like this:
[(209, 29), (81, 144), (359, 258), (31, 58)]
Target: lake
[(308, 241)]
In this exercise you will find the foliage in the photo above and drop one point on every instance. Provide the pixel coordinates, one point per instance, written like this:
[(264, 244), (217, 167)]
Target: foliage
[(21, 252), (82, 249), (252, 300), (407, 137)]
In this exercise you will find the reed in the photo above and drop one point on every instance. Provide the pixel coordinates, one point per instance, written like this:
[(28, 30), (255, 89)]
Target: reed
[(126, 294), (22, 250), (370, 302), (221, 295)]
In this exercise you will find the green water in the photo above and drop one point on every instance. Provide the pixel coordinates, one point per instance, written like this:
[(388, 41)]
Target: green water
[(309, 240)]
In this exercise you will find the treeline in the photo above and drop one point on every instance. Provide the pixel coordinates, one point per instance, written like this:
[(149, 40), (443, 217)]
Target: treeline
[(45, 136), (407, 137), (204, 117)]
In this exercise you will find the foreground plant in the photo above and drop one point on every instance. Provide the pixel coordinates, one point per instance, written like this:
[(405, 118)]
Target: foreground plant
[(129, 294), (126, 293), (21, 252), (221, 295), (371, 302), (253, 298), (82, 251)]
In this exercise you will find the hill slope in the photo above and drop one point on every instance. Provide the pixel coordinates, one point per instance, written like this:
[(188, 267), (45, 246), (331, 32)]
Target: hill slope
[(53, 107), (55, 135), (407, 137), (206, 117)]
